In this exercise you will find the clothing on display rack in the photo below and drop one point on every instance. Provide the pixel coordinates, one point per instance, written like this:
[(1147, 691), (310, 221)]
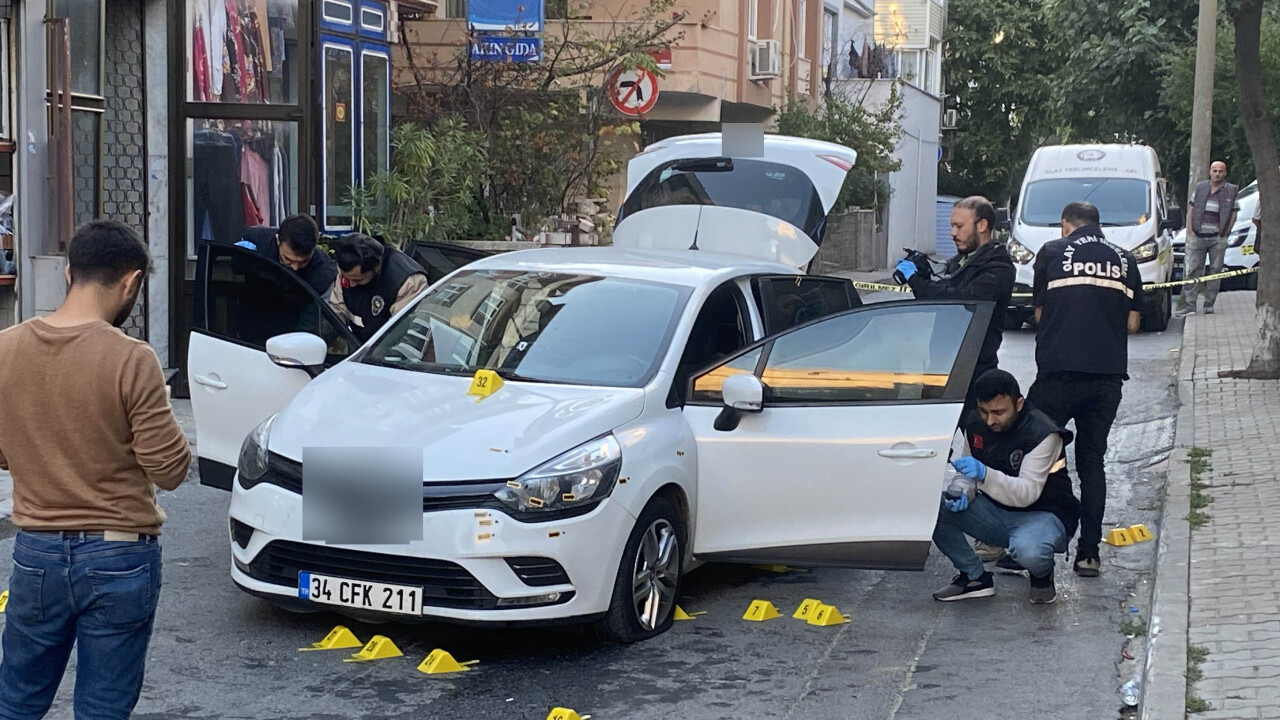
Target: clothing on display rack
[(240, 49), (239, 179)]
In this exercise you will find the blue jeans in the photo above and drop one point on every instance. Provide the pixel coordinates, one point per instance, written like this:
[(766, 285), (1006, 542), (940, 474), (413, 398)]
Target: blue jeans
[(74, 590), (1032, 537)]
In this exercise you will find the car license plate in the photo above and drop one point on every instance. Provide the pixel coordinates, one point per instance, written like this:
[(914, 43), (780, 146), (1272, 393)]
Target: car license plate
[(378, 597), (1246, 249)]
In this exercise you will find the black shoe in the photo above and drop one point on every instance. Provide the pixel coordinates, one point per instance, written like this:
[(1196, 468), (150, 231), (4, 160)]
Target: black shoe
[(1043, 591), (962, 588), (1086, 566), (1009, 565)]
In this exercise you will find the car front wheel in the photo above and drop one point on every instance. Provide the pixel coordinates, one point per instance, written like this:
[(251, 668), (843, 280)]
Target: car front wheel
[(648, 580)]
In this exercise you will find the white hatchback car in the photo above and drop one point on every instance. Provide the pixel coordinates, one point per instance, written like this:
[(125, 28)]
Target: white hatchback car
[(658, 407)]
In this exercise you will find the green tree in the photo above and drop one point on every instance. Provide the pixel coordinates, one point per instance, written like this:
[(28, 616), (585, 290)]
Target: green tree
[(1026, 73), (999, 61), (870, 131), (552, 137), (427, 192), (1229, 143)]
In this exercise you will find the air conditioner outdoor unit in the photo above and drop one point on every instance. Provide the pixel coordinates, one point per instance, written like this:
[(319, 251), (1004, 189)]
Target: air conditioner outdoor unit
[(950, 119), (766, 59)]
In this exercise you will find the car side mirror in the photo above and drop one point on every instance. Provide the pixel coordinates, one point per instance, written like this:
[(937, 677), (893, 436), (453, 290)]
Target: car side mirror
[(298, 351), (742, 394), (1173, 223)]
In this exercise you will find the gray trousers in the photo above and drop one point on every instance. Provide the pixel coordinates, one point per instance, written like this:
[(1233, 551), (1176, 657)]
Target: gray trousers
[(1197, 248)]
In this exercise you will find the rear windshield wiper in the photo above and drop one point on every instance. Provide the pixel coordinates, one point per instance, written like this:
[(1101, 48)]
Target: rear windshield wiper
[(705, 165)]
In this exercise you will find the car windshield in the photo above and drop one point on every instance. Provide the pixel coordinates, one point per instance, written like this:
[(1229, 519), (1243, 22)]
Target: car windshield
[(765, 187), (536, 326), (1120, 201)]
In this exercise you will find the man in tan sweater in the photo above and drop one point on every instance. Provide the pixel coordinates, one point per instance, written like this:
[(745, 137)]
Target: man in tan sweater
[(88, 434)]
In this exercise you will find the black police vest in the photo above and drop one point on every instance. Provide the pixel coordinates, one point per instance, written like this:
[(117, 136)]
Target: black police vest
[(1004, 452), (372, 302)]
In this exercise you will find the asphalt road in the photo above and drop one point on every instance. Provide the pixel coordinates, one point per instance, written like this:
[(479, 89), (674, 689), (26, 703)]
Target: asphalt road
[(218, 653)]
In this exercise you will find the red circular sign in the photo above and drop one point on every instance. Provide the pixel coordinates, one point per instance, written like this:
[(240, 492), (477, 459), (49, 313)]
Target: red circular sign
[(632, 92)]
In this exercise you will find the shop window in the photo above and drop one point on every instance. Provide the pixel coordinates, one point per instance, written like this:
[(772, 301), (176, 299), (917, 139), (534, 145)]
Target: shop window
[(244, 51), (374, 20), (376, 118), (339, 136), (243, 173), (337, 11), (85, 20)]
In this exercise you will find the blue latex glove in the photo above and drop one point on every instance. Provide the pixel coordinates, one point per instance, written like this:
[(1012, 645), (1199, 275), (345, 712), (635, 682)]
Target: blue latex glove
[(970, 468), (907, 268), (956, 505), (247, 244)]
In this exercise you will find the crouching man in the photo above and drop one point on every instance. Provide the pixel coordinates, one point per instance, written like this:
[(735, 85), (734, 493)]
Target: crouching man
[(1020, 496)]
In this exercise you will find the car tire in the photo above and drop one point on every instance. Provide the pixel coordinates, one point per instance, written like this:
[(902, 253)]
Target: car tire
[(656, 542), (1251, 281), (1158, 320)]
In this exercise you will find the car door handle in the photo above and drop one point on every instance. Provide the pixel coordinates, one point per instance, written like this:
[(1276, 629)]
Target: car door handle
[(210, 382), (908, 453)]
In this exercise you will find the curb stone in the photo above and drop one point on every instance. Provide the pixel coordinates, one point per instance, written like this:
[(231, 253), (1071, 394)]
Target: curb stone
[(1164, 682)]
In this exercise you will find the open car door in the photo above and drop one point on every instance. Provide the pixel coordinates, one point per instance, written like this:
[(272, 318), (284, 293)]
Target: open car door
[(242, 300), (843, 463)]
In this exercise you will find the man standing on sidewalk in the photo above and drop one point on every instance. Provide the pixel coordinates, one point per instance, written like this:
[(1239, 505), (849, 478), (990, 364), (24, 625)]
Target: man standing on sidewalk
[(88, 434), (1209, 222), (1086, 294)]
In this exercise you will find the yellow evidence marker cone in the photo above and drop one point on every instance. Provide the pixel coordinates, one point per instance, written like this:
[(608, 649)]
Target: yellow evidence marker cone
[(339, 638), (1118, 537), (760, 611), (1140, 533), (4, 600), (806, 609), (440, 662), (828, 615), (484, 384), (566, 714), (682, 615), (379, 647)]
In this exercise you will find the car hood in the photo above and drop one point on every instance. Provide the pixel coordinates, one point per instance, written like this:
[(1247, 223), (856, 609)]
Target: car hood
[(1128, 237), (731, 231), (502, 436)]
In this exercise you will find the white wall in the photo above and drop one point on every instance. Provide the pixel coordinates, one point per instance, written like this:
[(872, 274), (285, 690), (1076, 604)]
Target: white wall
[(914, 187)]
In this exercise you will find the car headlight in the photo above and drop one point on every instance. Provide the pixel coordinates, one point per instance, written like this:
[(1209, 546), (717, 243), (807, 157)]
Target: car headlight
[(1147, 251), (582, 476), (1238, 237), (253, 452), (1019, 252)]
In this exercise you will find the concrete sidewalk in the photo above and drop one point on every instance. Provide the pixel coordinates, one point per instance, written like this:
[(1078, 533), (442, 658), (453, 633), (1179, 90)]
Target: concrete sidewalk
[(1232, 586)]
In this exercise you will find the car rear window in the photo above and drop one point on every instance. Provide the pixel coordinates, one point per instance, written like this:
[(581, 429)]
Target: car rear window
[(761, 186)]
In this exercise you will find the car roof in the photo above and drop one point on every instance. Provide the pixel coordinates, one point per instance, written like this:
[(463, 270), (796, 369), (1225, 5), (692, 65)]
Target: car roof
[(1066, 159), (689, 268)]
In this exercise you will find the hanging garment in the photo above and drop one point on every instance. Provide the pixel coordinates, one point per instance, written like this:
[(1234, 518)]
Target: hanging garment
[(252, 218), (276, 31), (864, 68), (258, 11), (199, 65), (216, 191), (279, 213), (255, 174), (855, 60), (240, 74), (215, 15)]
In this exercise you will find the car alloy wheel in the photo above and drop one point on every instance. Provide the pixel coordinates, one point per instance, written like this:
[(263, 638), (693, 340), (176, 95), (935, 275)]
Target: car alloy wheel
[(656, 574)]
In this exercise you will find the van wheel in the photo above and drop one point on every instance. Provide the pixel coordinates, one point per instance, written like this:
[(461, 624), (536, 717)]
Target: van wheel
[(1158, 320), (648, 580)]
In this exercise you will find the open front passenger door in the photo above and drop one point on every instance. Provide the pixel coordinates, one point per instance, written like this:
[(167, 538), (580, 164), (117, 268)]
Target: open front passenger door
[(840, 459), (242, 300)]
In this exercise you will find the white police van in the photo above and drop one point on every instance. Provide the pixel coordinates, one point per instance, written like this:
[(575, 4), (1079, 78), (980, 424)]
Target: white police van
[(1125, 184)]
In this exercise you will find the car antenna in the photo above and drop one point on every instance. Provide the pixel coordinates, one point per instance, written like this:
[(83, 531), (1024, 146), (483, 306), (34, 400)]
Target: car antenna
[(697, 227)]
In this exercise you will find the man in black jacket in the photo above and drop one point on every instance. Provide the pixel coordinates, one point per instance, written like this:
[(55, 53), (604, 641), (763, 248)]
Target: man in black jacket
[(981, 270), (294, 245), (1019, 494), (375, 282)]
